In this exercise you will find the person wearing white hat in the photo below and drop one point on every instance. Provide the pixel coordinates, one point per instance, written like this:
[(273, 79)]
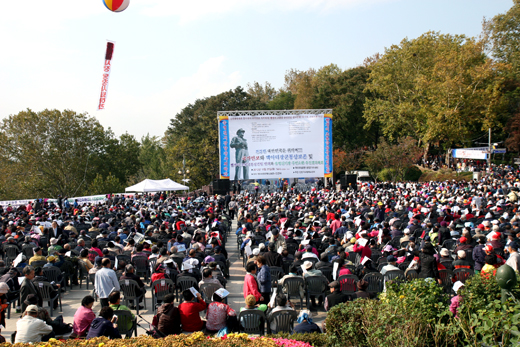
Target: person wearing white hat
[(455, 301), (31, 329)]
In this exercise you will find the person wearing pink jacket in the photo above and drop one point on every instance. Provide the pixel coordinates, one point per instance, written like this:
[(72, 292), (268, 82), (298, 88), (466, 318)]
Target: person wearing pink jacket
[(250, 283)]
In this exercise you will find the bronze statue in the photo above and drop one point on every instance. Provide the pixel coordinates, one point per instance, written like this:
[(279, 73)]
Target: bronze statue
[(239, 143)]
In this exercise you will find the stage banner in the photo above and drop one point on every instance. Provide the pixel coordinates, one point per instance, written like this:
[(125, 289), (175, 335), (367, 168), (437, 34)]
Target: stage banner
[(469, 153), (273, 144)]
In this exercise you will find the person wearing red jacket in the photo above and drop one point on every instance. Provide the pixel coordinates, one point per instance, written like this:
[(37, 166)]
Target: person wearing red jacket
[(364, 250), (251, 284), (189, 311)]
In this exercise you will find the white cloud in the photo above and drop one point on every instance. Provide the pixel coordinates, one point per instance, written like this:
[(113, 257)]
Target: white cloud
[(188, 11), (152, 114)]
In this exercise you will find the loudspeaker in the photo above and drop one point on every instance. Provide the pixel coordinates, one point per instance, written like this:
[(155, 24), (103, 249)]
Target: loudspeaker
[(348, 181), (220, 187)]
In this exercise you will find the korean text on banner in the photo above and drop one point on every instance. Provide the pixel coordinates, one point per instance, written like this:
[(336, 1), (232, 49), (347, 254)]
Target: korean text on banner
[(268, 146), (106, 74)]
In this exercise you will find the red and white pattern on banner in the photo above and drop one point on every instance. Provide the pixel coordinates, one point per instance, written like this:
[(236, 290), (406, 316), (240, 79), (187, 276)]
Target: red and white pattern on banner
[(104, 85)]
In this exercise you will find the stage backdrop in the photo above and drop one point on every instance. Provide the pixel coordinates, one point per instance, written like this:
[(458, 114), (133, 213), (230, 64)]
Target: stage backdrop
[(272, 144)]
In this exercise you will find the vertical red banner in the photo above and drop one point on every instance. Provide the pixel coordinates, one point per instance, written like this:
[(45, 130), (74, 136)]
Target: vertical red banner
[(106, 74)]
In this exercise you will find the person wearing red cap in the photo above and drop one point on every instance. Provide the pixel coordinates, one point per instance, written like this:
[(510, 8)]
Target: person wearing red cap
[(498, 246), (463, 245)]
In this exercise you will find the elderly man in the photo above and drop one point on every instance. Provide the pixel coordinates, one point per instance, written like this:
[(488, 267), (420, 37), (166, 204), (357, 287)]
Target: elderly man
[(335, 297), (38, 256), (28, 287), (130, 275), (105, 282), (514, 257), (31, 329), (80, 246)]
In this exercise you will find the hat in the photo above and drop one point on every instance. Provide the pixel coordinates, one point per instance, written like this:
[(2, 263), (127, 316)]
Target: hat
[(51, 258), (388, 248), (307, 265), (218, 249), (208, 259), (32, 309), (4, 288), (488, 248), (513, 245), (461, 254), (445, 252), (463, 239), (391, 259), (250, 300), (37, 249), (407, 231), (334, 284), (240, 131), (427, 238), (457, 286), (148, 242), (98, 260), (495, 236), (256, 251), (54, 241)]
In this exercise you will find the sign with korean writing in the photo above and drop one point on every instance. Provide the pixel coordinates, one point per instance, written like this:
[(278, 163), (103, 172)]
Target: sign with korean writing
[(469, 153), (263, 146), (106, 75)]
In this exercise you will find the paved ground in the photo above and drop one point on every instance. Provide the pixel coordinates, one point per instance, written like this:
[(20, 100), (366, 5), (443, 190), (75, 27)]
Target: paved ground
[(71, 300)]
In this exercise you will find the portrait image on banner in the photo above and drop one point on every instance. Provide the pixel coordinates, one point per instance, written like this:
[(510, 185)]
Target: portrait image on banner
[(267, 146)]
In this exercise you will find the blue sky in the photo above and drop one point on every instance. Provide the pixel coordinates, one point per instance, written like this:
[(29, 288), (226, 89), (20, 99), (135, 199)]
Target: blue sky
[(169, 53)]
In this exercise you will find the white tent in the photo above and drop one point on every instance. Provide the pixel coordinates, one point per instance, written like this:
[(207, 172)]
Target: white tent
[(156, 186)]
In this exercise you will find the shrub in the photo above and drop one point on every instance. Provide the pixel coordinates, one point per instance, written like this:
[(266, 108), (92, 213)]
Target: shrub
[(344, 323), (483, 318), (412, 174), (406, 315)]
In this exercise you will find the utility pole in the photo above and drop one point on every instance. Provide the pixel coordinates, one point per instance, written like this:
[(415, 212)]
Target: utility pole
[(489, 149)]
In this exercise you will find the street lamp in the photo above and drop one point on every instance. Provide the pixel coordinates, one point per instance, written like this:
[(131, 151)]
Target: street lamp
[(184, 171)]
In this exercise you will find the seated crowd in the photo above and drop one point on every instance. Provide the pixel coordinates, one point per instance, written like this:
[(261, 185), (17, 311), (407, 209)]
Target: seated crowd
[(320, 247)]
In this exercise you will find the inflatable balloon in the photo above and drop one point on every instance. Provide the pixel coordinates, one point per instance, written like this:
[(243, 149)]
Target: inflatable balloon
[(116, 5)]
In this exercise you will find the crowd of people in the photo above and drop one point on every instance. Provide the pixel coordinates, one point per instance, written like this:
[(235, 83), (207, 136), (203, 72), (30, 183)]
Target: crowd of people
[(323, 247)]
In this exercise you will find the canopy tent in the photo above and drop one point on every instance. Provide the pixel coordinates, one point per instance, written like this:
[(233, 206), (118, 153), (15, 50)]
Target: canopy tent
[(156, 186)]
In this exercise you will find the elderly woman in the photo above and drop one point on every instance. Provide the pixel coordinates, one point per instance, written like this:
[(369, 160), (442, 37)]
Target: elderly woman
[(305, 324), (83, 317)]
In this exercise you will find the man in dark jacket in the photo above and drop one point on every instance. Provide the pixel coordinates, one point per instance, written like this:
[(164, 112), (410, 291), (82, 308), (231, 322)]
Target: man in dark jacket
[(479, 255), (168, 317), (272, 257), (336, 296), (130, 275)]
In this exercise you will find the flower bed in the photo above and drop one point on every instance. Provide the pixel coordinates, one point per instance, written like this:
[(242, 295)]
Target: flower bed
[(197, 339)]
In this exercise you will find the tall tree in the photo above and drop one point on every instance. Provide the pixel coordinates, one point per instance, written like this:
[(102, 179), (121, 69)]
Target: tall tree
[(51, 152), (344, 92), (395, 158), (300, 84), (436, 88)]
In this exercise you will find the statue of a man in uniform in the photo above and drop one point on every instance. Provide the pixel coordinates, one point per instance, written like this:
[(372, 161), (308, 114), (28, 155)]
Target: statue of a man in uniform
[(239, 143)]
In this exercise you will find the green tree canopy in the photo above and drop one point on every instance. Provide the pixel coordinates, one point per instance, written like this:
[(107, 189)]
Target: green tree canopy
[(436, 88), (52, 152)]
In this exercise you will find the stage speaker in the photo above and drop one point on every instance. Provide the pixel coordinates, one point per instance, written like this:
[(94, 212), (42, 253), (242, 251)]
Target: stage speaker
[(348, 181), (220, 187)]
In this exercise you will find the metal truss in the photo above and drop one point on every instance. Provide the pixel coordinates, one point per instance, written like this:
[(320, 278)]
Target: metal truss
[(273, 112)]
